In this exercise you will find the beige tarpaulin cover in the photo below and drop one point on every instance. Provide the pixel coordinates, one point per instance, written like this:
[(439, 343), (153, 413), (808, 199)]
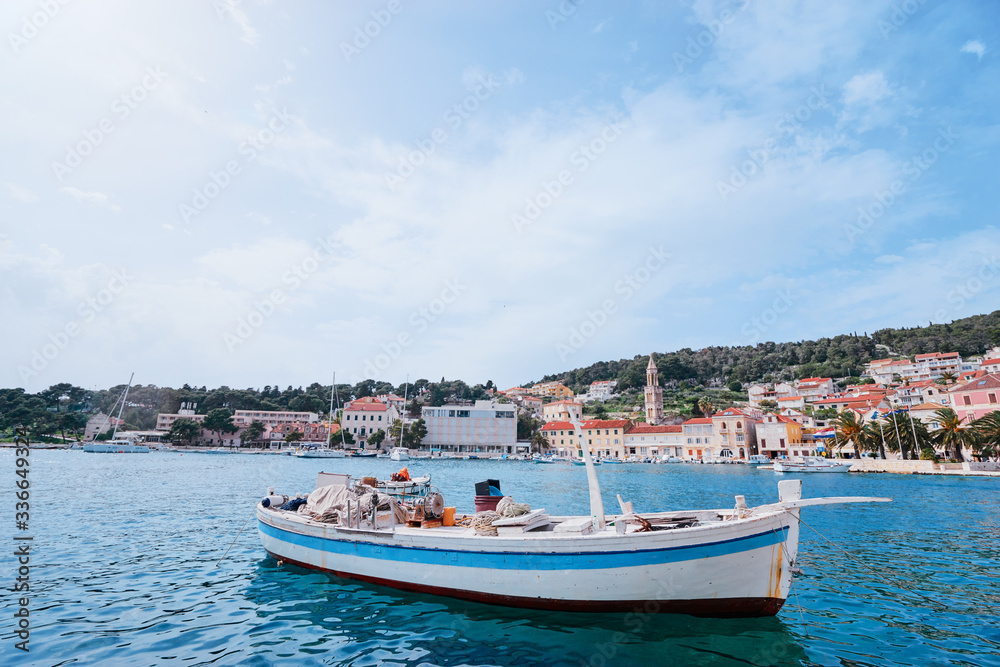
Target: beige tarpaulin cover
[(332, 497)]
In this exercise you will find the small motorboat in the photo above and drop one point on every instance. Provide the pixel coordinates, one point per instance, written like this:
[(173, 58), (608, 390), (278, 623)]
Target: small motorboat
[(811, 464)]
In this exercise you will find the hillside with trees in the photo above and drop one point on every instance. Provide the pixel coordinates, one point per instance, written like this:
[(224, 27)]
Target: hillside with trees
[(840, 356)]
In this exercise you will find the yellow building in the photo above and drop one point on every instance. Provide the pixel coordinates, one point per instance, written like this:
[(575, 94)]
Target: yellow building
[(552, 390)]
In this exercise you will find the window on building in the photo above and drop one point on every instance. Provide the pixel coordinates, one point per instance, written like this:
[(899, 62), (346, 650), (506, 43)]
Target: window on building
[(966, 400), (781, 442), (993, 398), (739, 425), (763, 443)]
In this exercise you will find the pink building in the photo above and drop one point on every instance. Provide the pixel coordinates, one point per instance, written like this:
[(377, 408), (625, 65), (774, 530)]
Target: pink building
[(977, 398)]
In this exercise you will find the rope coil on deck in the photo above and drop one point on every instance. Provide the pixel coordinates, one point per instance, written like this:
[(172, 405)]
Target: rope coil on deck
[(483, 522)]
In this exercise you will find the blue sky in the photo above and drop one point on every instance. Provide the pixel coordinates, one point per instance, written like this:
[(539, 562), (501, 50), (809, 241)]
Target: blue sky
[(248, 193)]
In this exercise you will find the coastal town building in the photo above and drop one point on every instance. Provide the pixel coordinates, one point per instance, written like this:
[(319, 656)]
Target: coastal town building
[(807, 421), (552, 390), (734, 432), (930, 366), (655, 441), (977, 398), (697, 434), (533, 403), (487, 426), (561, 438), (565, 410), (793, 402), (602, 390), (779, 436), (766, 392), (606, 437), (653, 394), (272, 417), (187, 411), (813, 389), (364, 416), (98, 424)]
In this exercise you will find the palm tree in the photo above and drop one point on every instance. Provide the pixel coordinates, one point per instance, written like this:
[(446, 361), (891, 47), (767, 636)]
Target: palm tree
[(947, 378), (871, 438), (988, 430), (850, 427), (951, 435), (899, 435), (706, 406)]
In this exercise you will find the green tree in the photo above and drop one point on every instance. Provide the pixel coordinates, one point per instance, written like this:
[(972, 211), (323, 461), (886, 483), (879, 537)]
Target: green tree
[(850, 428), (219, 420), (988, 429), (253, 432), (376, 438), (901, 423), (345, 437), (183, 431), (538, 442), (293, 436), (951, 435), (395, 431), (706, 406), (769, 406), (415, 434)]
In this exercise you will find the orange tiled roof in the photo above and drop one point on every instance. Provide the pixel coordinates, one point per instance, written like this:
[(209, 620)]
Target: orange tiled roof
[(649, 428)]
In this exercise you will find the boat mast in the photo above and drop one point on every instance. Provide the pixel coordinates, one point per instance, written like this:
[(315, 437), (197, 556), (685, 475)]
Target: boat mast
[(402, 415), (343, 438), (329, 421), (122, 406), (596, 504)]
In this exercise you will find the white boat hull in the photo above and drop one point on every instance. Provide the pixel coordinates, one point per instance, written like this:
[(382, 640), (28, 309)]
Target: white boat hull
[(733, 568), (804, 467), (112, 448), (320, 454)]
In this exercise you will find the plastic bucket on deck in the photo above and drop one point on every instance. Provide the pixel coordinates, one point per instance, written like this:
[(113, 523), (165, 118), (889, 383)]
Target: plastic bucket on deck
[(486, 503)]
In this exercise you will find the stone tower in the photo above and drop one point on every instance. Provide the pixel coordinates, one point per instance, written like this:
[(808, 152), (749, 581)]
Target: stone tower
[(654, 394)]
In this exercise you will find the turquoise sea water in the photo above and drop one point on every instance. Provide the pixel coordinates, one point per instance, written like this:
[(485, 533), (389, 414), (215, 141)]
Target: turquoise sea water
[(125, 549)]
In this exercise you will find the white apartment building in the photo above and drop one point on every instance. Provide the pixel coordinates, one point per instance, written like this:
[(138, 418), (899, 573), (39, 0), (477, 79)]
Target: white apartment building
[(187, 411), (656, 441), (562, 411), (487, 426), (271, 417)]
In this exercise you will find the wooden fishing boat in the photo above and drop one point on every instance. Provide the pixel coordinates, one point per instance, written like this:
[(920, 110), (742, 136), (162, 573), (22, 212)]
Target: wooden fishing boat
[(717, 562)]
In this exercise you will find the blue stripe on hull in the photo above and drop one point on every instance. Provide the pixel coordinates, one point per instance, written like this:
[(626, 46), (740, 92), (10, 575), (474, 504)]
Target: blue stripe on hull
[(527, 560)]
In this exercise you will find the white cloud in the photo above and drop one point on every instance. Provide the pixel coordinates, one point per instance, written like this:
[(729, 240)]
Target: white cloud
[(976, 47), (866, 89), (21, 193), (98, 198), (888, 259)]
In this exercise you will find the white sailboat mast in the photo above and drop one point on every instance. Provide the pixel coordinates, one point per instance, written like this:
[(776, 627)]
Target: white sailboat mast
[(122, 406)]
